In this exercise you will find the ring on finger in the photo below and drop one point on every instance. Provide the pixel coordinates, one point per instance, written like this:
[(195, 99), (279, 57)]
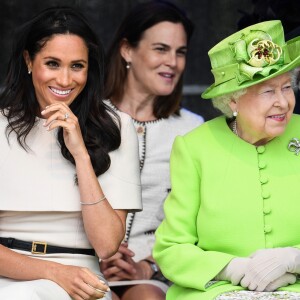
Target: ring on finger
[(101, 291), (66, 116), (98, 290)]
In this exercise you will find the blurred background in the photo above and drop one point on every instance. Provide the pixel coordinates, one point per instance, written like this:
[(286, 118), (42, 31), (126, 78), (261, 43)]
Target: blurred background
[(213, 19)]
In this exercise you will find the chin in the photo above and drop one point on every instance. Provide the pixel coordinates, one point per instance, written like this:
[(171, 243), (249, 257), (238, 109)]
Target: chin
[(165, 92), (277, 133)]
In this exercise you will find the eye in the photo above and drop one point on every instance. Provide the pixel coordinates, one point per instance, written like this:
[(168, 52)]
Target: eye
[(160, 49), (182, 52), (77, 66), (52, 64), (267, 91), (287, 88)]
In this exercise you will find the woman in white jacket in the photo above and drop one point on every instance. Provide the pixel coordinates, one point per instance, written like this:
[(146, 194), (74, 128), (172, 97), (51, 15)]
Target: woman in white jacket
[(66, 184)]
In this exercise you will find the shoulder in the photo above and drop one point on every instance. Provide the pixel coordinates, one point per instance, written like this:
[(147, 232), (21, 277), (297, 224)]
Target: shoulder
[(208, 128), (3, 119), (295, 120), (3, 122), (192, 117), (187, 117), (211, 135), (183, 123), (125, 119), (293, 127)]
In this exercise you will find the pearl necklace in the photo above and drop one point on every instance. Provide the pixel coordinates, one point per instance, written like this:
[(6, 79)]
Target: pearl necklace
[(234, 128)]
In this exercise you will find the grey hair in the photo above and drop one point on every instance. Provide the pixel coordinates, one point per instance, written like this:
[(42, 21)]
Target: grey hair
[(222, 102), (294, 77)]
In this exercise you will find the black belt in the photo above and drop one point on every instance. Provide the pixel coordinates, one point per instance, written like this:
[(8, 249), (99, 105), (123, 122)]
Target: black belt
[(42, 247)]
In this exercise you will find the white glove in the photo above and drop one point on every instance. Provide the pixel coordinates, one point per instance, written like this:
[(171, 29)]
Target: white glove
[(268, 265), (234, 271), (284, 280)]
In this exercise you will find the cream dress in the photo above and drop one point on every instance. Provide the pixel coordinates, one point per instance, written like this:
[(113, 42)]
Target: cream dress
[(40, 202)]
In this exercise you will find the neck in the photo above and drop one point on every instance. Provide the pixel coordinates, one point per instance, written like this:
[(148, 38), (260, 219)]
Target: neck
[(138, 106), (249, 139)]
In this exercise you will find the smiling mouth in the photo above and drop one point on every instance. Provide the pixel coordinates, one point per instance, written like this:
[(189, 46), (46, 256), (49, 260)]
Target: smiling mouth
[(167, 75), (60, 92), (277, 117)]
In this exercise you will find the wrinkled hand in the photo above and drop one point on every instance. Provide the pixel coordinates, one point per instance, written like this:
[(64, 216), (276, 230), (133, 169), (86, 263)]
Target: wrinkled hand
[(79, 283), (60, 115), (268, 265), (121, 266), (234, 271)]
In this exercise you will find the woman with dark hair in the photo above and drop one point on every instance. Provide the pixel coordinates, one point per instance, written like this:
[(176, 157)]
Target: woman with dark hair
[(144, 79), (64, 168)]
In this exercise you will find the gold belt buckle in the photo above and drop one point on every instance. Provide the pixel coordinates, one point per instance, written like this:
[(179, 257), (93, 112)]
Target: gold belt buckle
[(35, 244)]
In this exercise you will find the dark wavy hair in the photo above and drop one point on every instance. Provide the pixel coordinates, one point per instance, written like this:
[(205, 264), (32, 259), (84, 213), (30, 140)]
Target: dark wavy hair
[(139, 19), (99, 125)]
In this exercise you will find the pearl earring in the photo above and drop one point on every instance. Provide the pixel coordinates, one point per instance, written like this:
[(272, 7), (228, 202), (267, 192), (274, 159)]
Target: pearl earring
[(128, 66), (235, 113), (29, 71)]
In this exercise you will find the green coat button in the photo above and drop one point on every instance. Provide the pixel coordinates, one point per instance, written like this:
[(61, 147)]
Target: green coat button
[(262, 164), (261, 149), (268, 228)]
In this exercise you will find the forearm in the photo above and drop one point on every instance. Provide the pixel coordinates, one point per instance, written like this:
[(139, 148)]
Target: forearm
[(105, 229), (17, 266), (188, 265), (181, 260)]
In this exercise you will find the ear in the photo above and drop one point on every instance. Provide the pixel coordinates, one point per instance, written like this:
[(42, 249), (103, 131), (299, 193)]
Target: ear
[(126, 50), (233, 105), (27, 60)]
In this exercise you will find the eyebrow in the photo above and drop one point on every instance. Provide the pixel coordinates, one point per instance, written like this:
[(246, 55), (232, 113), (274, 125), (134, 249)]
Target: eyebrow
[(167, 46), (73, 61), (274, 85)]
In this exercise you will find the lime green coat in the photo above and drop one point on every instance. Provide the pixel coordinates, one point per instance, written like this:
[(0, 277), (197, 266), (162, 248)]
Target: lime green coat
[(228, 199)]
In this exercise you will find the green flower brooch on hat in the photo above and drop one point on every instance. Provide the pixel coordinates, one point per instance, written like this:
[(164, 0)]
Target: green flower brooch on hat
[(256, 54), (250, 56)]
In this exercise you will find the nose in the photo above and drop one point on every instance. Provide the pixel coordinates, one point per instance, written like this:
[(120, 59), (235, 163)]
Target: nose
[(64, 78), (171, 59), (282, 100)]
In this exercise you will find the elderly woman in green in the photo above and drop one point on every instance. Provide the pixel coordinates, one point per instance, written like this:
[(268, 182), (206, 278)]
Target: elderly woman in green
[(231, 227)]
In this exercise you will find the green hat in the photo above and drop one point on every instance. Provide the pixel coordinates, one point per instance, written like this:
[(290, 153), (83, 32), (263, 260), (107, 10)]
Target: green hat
[(250, 56)]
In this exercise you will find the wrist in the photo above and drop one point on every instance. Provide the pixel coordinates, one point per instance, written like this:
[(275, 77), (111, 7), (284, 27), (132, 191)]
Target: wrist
[(296, 261), (51, 271), (153, 267), (82, 156)]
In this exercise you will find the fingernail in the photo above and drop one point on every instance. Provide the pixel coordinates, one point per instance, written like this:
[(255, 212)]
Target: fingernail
[(44, 124), (42, 112)]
